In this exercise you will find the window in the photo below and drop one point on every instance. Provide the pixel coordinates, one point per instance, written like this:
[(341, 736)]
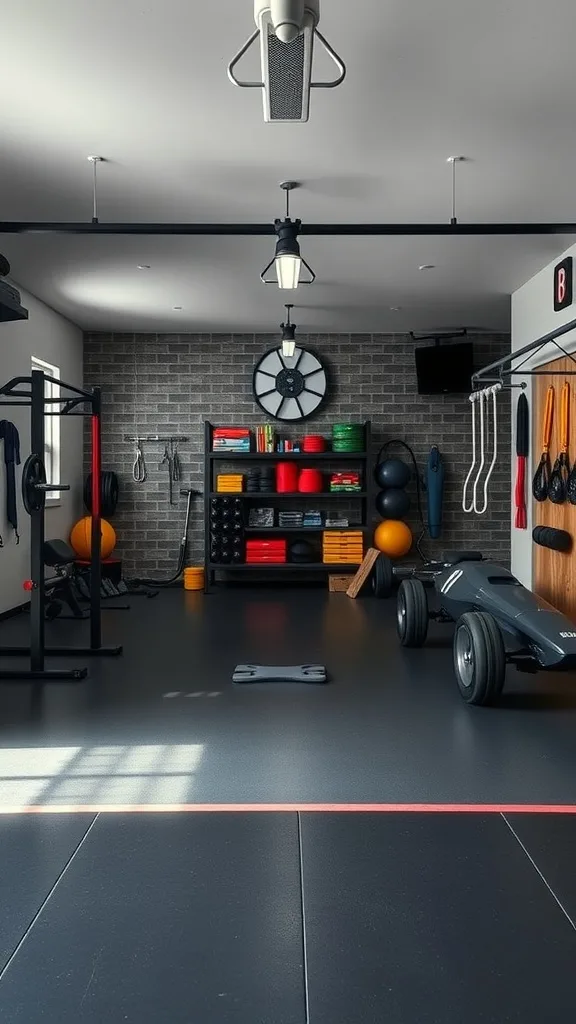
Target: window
[(51, 428)]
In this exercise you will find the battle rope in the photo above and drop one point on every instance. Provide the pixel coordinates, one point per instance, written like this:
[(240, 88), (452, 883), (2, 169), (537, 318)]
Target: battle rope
[(522, 448), (558, 485), (541, 479)]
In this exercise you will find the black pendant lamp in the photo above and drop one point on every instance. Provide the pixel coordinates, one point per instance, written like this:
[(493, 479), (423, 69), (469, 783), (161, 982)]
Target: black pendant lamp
[(288, 334), (288, 260)]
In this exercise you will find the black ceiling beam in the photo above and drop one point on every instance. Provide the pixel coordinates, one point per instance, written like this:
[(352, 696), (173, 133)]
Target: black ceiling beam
[(392, 230)]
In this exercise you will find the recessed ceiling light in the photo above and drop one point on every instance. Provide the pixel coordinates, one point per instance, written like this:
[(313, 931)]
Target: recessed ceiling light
[(427, 266), (395, 309), (143, 266)]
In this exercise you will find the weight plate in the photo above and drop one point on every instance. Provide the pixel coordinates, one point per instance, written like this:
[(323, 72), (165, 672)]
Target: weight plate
[(33, 474), (382, 577)]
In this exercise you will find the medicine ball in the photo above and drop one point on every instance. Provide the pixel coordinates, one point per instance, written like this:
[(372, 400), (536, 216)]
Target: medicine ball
[(81, 538), (392, 503), (301, 551), (393, 538), (392, 473)]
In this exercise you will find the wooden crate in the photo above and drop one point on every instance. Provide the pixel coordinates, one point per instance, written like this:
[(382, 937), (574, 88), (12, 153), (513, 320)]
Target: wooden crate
[(339, 584)]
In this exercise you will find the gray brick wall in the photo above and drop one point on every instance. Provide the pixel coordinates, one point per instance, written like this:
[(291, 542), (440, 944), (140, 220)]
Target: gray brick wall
[(172, 383)]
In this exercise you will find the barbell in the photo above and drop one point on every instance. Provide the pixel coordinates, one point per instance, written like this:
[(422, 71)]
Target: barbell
[(34, 486)]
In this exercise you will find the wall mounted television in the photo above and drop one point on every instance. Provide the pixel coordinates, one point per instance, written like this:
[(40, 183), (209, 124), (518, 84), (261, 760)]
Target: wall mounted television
[(445, 369)]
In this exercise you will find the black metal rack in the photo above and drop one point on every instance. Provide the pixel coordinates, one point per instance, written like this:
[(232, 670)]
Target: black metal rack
[(363, 460)]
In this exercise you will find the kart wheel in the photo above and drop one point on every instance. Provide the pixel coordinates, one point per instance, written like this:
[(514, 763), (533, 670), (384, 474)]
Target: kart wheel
[(479, 658), (382, 577), (412, 613)]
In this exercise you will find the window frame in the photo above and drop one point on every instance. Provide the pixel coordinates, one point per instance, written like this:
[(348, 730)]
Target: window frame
[(52, 431)]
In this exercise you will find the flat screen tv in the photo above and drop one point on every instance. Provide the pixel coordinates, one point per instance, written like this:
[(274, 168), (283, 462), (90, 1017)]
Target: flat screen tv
[(445, 369)]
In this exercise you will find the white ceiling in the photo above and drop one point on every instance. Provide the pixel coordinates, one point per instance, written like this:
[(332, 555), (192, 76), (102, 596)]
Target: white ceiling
[(144, 84)]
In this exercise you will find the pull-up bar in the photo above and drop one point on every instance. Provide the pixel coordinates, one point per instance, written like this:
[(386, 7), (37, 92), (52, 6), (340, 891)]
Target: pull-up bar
[(483, 376)]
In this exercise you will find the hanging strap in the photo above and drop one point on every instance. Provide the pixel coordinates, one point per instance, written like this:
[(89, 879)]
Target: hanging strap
[(468, 506), (522, 449), (489, 393), (542, 476), (557, 487)]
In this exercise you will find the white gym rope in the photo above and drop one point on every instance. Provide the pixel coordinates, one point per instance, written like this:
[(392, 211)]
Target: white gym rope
[(482, 398)]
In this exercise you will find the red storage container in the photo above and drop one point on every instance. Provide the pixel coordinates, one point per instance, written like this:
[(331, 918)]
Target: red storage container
[(286, 477), (310, 481)]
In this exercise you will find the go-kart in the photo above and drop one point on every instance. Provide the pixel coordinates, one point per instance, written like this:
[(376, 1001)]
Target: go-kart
[(489, 606)]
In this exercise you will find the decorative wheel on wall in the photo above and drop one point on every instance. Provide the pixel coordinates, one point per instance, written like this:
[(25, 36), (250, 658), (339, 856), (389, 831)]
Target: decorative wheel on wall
[(289, 387)]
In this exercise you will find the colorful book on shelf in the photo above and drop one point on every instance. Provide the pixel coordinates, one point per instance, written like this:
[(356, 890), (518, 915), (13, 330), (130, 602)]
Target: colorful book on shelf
[(265, 439)]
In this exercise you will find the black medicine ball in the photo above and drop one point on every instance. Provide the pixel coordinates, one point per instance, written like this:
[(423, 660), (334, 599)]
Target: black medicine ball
[(393, 503), (392, 473)]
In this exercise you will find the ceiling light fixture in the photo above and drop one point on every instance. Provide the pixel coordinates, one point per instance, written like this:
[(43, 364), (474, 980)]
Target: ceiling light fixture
[(143, 266), (287, 258), (287, 30), (427, 266), (288, 334), (454, 160), (95, 160)]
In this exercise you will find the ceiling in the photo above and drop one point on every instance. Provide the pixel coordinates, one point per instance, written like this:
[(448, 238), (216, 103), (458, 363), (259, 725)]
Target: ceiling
[(144, 85)]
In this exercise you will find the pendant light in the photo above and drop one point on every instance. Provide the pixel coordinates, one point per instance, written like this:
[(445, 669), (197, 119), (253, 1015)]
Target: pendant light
[(287, 259), (288, 334)]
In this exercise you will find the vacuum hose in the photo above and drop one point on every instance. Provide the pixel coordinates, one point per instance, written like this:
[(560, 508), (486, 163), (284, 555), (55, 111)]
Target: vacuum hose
[(182, 552)]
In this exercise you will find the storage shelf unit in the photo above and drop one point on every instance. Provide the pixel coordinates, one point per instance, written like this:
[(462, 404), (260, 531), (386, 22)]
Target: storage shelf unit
[(288, 456), (361, 460), (307, 499)]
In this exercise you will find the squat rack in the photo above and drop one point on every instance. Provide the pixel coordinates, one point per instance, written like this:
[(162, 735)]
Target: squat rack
[(72, 401)]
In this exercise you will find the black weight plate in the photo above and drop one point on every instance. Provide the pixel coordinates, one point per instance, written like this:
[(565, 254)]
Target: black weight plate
[(33, 474), (382, 577), (109, 492)]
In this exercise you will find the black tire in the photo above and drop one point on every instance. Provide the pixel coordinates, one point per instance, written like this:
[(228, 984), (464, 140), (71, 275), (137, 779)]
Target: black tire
[(412, 613), (479, 658), (382, 578)]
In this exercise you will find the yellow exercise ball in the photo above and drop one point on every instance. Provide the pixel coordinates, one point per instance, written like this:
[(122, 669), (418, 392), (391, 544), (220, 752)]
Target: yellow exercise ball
[(393, 538), (81, 538)]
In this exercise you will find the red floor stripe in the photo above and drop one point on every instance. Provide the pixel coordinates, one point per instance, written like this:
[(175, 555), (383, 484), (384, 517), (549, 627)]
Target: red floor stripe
[(276, 808)]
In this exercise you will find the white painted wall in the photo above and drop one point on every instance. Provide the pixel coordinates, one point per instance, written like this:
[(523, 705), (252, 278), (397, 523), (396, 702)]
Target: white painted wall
[(48, 336), (532, 317)]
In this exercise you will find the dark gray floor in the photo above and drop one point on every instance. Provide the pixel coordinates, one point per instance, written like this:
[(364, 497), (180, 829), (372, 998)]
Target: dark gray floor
[(390, 727), (289, 919)]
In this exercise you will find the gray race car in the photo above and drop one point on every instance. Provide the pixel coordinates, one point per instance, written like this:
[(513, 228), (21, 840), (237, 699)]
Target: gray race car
[(498, 622)]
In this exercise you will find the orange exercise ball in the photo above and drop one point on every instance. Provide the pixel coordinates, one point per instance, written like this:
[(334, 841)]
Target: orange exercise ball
[(81, 538), (393, 538)]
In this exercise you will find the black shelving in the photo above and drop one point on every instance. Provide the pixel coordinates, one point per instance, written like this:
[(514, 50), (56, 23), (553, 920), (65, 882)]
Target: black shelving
[(310, 500), (288, 456), (302, 529), (310, 497)]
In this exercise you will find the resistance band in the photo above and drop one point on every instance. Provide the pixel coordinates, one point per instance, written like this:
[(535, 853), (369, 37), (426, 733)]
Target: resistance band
[(558, 485), (542, 476), (522, 442)]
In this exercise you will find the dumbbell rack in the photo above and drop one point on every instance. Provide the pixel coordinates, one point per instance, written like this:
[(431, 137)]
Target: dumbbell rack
[(331, 460)]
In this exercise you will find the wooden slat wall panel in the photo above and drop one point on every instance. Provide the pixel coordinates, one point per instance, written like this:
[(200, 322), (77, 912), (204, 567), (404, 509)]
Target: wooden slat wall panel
[(555, 572)]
